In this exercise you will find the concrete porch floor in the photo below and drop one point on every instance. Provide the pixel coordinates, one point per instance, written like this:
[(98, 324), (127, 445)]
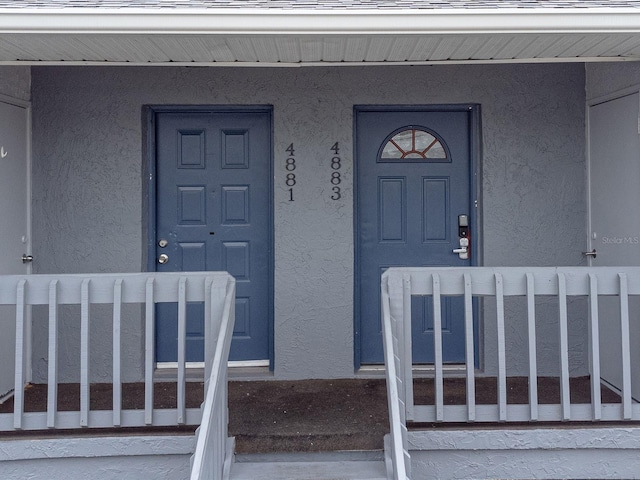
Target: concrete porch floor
[(302, 416)]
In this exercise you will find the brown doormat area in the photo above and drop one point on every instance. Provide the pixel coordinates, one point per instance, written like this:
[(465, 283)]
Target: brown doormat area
[(308, 415), (165, 395), (517, 391)]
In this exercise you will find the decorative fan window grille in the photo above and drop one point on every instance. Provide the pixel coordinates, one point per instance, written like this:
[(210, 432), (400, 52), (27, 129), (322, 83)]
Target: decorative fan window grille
[(414, 144)]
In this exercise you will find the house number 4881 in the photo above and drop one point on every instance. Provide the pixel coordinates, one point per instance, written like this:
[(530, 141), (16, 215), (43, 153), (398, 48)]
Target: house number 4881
[(290, 166)]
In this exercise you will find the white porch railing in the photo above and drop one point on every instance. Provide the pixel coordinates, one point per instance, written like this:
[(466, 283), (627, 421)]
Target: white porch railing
[(215, 289), (611, 300)]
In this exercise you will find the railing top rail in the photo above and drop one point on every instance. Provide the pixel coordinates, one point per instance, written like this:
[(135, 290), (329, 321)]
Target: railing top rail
[(101, 286), (545, 279), (204, 456), (393, 396)]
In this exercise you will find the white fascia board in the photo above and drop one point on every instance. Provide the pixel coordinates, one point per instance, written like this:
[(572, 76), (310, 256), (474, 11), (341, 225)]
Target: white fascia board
[(231, 21)]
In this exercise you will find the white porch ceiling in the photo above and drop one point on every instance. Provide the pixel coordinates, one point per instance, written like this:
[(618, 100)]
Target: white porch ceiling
[(311, 36), (309, 49)]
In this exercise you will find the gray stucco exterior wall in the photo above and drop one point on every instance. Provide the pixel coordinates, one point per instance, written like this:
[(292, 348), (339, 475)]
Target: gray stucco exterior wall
[(88, 162), (604, 79), (526, 453), (15, 81), (121, 457)]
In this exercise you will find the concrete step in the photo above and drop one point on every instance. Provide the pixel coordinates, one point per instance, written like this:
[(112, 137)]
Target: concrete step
[(346, 465), (336, 470), (308, 415)]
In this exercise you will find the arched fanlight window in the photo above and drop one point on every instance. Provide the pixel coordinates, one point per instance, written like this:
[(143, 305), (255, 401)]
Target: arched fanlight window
[(413, 144)]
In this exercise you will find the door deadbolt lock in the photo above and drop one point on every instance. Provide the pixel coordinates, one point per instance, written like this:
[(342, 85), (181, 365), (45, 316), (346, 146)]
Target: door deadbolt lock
[(463, 234), (163, 258), (162, 243)]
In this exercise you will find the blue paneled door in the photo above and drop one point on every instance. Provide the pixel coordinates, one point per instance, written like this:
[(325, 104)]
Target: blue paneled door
[(213, 212), (413, 181)]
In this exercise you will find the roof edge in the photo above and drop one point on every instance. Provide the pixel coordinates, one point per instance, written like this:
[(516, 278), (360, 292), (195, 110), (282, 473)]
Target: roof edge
[(318, 22), (315, 64)]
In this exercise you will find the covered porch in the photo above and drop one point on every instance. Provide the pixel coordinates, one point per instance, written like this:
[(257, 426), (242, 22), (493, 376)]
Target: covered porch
[(550, 195)]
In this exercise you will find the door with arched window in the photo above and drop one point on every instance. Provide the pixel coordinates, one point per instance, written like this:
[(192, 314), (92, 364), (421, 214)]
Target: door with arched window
[(413, 181)]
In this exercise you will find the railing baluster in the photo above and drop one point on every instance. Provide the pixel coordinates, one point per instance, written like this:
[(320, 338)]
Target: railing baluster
[(117, 369), (565, 394), (52, 374), (437, 348), (182, 339), (469, 347), (533, 363), (626, 349), (149, 351), (594, 336), (84, 353), (405, 371), (502, 362), (18, 392)]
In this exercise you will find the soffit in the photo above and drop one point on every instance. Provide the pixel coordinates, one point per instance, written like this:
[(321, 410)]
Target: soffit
[(309, 36)]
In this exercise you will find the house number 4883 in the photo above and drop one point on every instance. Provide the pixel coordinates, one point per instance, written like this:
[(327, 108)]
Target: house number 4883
[(336, 178)]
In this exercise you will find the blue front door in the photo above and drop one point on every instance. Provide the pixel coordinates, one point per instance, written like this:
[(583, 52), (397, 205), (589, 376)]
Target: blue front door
[(213, 212), (413, 182)]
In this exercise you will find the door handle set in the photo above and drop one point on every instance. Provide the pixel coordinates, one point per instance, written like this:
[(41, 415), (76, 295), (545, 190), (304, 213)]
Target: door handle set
[(463, 251), (163, 257)]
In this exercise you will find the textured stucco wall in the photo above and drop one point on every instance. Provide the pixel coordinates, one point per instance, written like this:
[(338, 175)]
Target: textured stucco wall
[(15, 82), (131, 458), (603, 79), (527, 453), (88, 166)]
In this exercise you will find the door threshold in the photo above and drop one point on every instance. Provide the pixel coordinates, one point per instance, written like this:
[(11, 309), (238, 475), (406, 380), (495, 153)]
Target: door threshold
[(248, 363), (238, 370), (174, 365), (231, 364)]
